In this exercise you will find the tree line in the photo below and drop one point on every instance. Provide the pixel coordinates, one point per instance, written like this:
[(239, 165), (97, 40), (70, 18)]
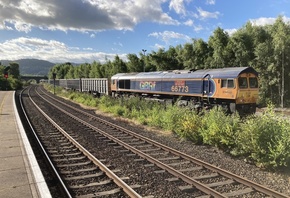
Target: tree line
[(10, 77), (265, 48)]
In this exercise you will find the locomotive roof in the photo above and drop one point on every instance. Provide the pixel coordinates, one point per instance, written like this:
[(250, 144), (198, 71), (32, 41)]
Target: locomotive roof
[(229, 72)]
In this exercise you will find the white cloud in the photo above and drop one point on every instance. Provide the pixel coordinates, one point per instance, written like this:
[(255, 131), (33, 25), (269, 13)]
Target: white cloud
[(158, 46), (88, 49), (33, 8), (178, 6), (119, 44), (205, 14), (231, 31), (198, 28), (84, 15), (166, 36), (267, 21), (22, 27), (189, 22), (50, 50), (210, 2)]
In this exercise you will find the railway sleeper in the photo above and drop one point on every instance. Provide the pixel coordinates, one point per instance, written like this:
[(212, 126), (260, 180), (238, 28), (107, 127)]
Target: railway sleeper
[(150, 150), (108, 181), (191, 169), (112, 143), (65, 159), (66, 154), (179, 163), (161, 153), (75, 164), (136, 143), (239, 192), (85, 176), (196, 178), (144, 146), (99, 194), (168, 158), (118, 147), (79, 171), (211, 185)]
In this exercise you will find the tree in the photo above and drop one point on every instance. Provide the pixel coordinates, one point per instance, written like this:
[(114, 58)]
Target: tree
[(14, 70), (84, 70), (11, 82), (118, 66), (281, 42), (186, 56), (70, 73), (96, 70), (201, 52), (267, 74), (218, 43), (134, 64), (242, 47), (165, 60)]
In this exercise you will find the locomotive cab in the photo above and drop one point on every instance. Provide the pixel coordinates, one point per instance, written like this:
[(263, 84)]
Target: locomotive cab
[(247, 93), (237, 89)]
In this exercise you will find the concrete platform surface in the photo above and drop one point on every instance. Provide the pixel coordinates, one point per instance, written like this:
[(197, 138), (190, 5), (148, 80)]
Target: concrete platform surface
[(20, 175)]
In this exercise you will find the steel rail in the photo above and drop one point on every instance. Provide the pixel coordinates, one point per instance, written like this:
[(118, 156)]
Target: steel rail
[(126, 188), (211, 167), (206, 165), (204, 188), (239, 179), (66, 191)]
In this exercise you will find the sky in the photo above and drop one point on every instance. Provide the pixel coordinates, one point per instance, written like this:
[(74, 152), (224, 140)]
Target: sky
[(83, 31)]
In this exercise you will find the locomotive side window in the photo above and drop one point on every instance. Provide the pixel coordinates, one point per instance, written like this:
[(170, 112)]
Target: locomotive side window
[(124, 84), (227, 83), (224, 83), (230, 83), (253, 82), (243, 83)]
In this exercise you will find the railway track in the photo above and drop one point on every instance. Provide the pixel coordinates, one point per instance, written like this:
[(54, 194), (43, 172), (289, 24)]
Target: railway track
[(80, 173), (190, 173)]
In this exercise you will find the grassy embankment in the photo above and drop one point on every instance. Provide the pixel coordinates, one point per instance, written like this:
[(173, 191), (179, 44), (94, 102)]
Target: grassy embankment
[(264, 139)]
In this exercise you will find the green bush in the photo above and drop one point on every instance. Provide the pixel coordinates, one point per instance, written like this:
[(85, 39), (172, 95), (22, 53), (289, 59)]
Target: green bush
[(170, 118), (266, 140), (219, 129), (189, 127)]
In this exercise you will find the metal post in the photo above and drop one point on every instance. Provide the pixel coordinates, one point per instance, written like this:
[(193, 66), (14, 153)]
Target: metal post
[(6, 84), (54, 76), (54, 86)]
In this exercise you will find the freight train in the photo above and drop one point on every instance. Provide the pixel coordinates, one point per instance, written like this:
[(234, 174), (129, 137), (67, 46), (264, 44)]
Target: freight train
[(233, 88)]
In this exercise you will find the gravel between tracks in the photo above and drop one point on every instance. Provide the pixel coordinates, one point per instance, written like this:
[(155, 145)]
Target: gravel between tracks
[(274, 180)]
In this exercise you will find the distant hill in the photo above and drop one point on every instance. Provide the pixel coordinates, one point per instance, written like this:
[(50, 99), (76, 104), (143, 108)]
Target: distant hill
[(31, 66)]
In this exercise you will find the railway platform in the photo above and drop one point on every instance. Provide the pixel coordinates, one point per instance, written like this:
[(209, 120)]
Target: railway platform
[(20, 175)]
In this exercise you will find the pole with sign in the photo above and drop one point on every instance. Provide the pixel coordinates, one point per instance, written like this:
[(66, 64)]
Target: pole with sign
[(54, 76)]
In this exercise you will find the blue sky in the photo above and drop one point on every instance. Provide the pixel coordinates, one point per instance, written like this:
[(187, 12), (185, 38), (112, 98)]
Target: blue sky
[(95, 30)]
